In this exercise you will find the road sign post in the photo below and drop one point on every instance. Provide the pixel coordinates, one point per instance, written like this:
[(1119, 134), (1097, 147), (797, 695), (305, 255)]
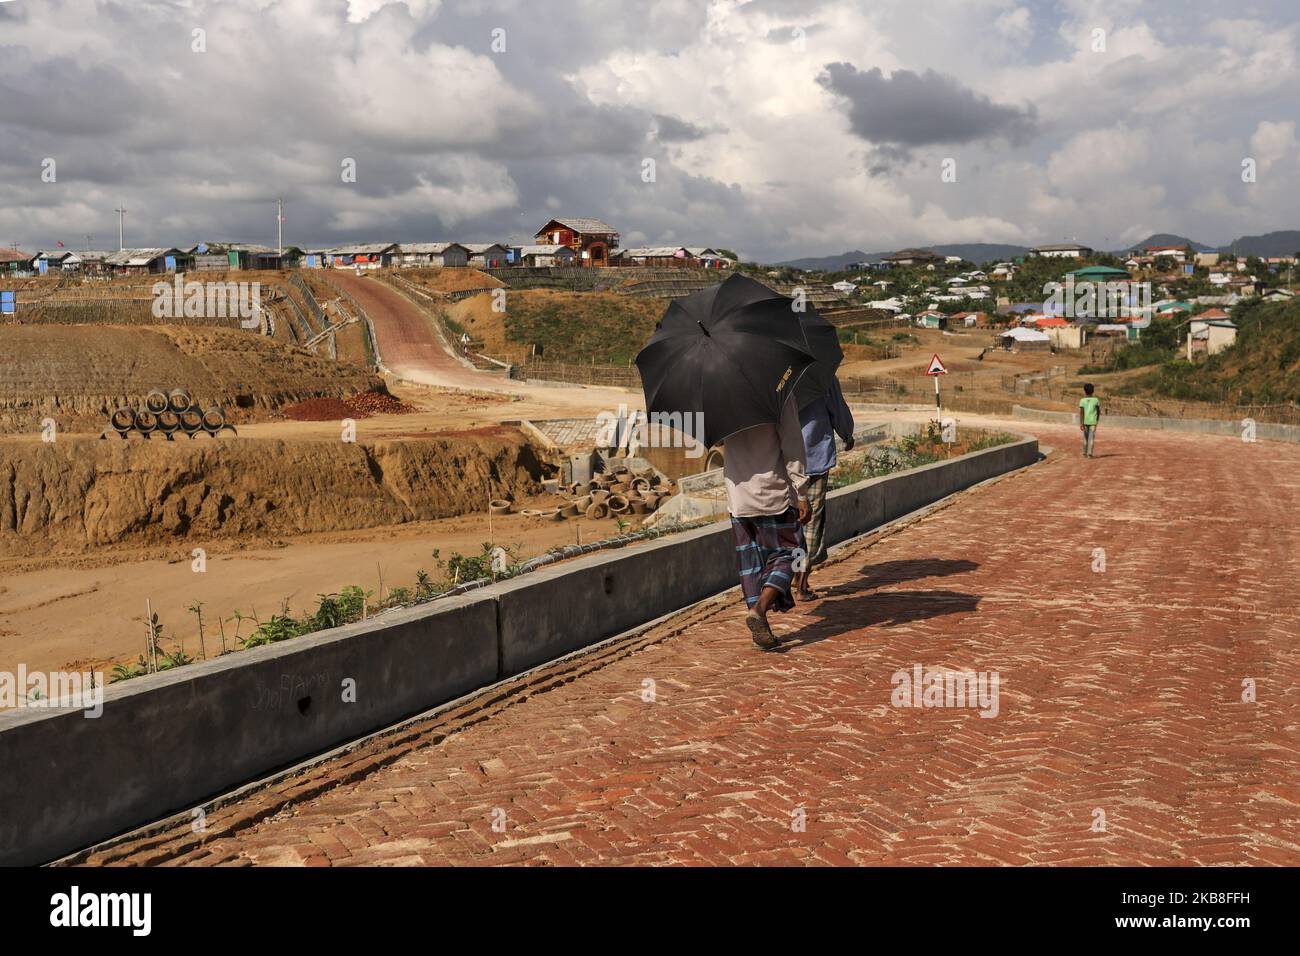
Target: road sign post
[(936, 369)]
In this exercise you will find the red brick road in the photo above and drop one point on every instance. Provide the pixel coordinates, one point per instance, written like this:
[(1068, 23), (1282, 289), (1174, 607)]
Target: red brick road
[(1121, 695)]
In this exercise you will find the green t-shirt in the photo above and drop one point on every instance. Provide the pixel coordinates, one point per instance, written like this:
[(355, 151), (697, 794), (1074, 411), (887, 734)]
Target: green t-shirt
[(1091, 406)]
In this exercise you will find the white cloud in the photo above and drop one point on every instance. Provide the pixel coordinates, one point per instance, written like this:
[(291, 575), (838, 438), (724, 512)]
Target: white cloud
[(752, 151)]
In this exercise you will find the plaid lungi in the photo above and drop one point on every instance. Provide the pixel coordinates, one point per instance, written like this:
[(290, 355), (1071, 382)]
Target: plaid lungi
[(764, 551), (816, 528)]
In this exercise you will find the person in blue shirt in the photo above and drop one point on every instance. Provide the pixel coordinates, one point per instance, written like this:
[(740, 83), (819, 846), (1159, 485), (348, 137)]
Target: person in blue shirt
[(820, 422)]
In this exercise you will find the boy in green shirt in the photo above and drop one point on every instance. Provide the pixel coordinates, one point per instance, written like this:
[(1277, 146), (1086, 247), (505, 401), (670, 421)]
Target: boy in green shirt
[(1089, 414)]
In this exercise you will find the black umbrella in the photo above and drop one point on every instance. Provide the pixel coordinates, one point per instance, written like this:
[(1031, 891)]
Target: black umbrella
[(824, 342), (731, 354)]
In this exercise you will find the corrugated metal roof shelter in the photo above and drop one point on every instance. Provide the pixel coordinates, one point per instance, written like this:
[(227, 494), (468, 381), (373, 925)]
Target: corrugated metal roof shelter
[(436, 254)]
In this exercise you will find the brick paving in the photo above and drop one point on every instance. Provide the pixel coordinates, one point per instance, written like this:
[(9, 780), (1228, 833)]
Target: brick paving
[(1120, 695)]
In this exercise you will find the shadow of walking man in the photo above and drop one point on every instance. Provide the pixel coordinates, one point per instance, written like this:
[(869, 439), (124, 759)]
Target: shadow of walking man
[(860, 605)]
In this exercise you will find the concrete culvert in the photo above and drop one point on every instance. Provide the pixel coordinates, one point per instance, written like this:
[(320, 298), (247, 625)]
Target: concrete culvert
[(599, 496), (641, 485), (618, 488), (618, 504), (168, 421), (179, 400), (639, 507), (214, 419), (123, 420), (145, 422), (499, 506), (556, 515), (531, 512), (570, 510), (582, 502), (597, 511), (191, 421), (156, 401)]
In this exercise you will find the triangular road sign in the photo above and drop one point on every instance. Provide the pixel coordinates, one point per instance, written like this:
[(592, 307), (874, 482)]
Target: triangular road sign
[(936, 366)]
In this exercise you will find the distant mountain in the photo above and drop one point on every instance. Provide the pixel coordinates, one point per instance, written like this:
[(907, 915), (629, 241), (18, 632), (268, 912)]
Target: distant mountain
[(1166, 239), (977, 252), (1283, 243), (832, 263)]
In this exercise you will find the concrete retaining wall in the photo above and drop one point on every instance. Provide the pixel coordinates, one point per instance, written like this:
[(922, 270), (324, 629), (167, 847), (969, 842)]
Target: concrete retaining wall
[(1206, 426), (166, 743)]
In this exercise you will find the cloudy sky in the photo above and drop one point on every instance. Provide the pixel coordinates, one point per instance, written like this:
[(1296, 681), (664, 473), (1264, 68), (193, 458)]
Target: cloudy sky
[(778, 128)]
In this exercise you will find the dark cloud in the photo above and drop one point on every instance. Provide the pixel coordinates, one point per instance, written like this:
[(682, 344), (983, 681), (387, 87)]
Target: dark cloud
[(670, 129), (910, 109)]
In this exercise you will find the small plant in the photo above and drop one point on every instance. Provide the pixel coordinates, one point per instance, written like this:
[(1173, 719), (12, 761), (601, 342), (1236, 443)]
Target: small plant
[(281, 627), (460, 568), (352, 602), (197, 610), (329, 613), (424, 588), (179, 658), (123, 672)]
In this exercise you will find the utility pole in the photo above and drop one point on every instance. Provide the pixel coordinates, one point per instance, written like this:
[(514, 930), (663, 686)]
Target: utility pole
[(121, 242), (279, 229)]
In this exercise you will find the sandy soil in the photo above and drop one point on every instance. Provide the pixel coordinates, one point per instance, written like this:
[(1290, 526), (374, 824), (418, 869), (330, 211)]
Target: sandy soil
[(99, 603)]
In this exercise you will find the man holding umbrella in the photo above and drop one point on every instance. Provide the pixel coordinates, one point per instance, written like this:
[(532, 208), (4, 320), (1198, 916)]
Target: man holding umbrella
[(766, 493), (732, 358), (822, 419)]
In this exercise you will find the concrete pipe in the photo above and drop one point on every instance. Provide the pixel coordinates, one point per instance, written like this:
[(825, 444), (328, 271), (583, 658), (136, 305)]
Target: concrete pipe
[(168, 422), (618, 504), (582, 502), (531, 512), (639, 507), (570, 510), (123, 420), (594, 485), (214, 419), (499, 506), (191, 422), (156, 401), (618, 488), (178, 400), (599, 496), (145, 422), (641, 485), (597, 511), (556, 515)]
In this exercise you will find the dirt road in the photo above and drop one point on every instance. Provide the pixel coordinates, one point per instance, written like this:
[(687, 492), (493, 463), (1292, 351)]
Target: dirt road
[(410, 349)]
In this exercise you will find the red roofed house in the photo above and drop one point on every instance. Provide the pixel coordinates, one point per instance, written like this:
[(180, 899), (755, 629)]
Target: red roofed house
[(591, 239)]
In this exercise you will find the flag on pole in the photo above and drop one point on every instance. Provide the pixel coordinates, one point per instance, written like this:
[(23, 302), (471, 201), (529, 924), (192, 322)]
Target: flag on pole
[(60, 245)]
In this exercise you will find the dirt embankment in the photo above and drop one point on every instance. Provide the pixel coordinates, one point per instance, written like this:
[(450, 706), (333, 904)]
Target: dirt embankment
[(78, 375), (78, 494), (603, 327), (451, 280)]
